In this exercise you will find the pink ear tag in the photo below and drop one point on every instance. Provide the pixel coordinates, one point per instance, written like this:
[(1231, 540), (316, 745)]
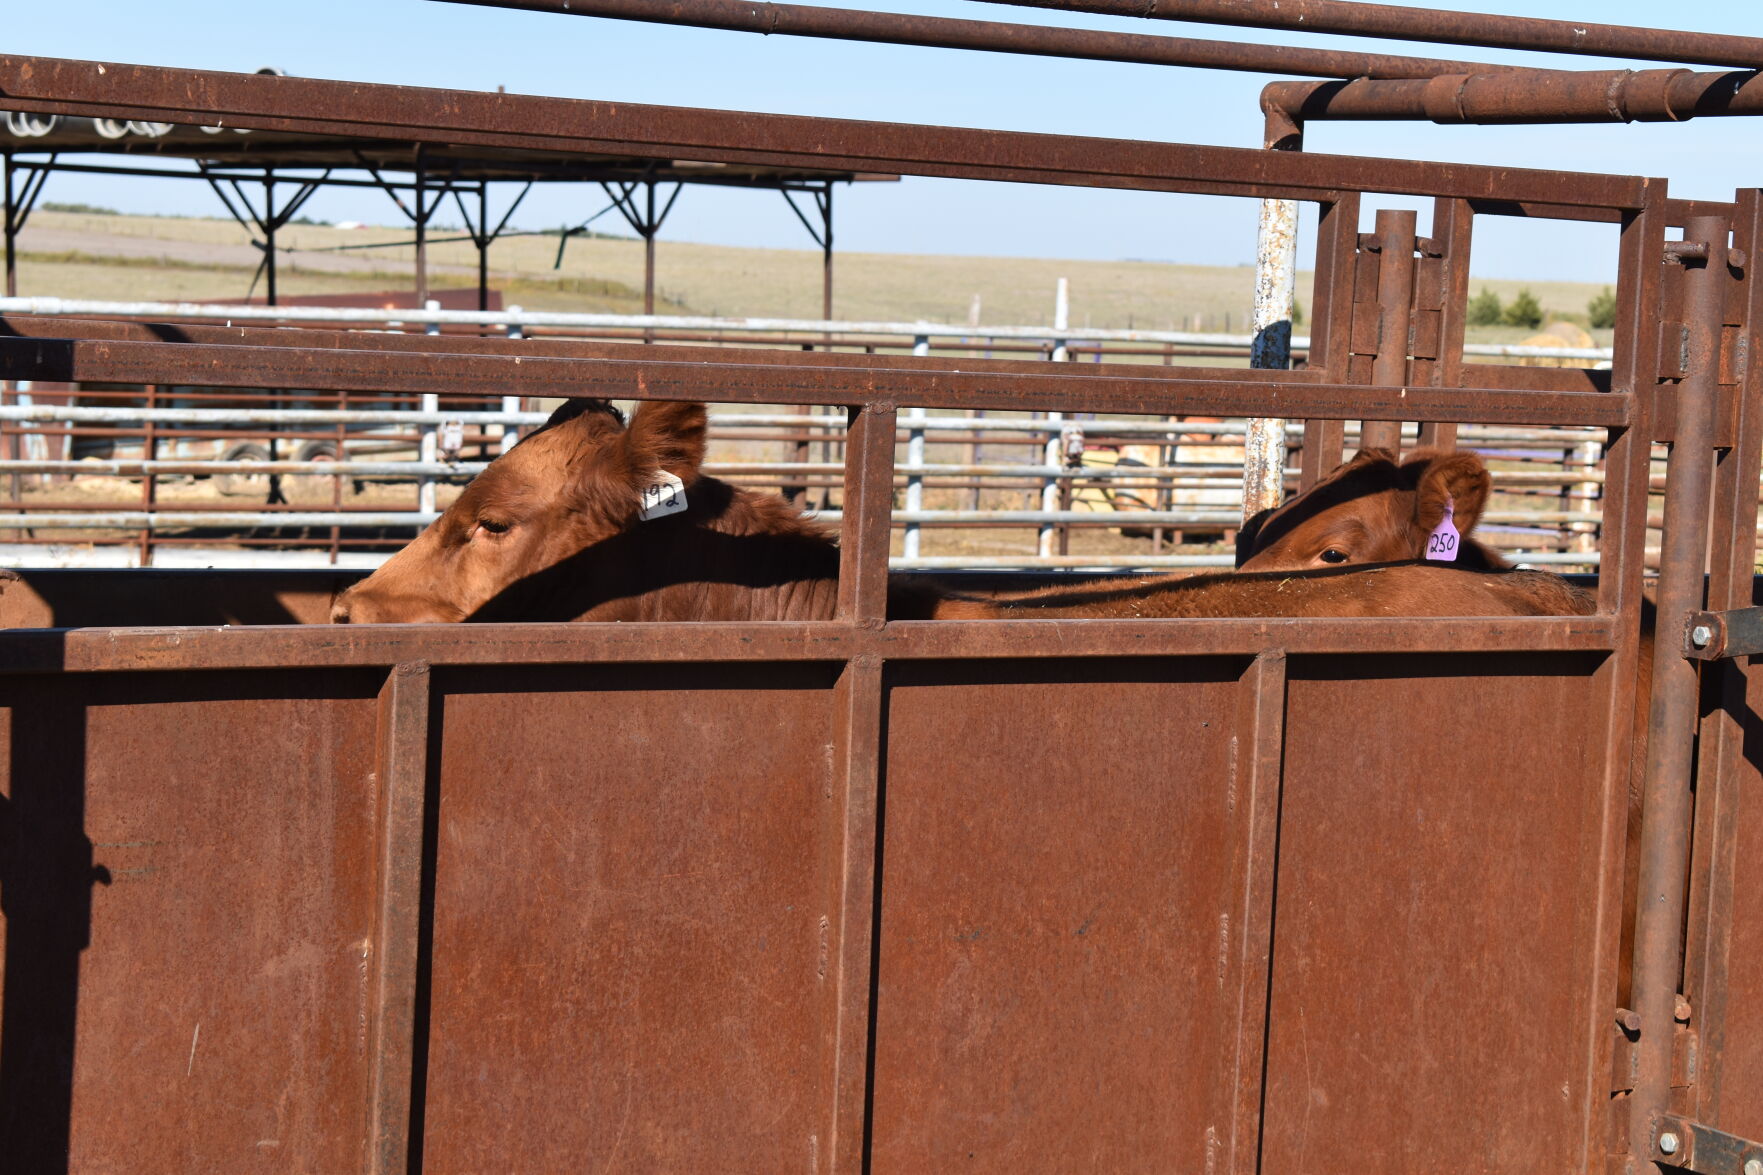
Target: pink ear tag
[(1442, 543)]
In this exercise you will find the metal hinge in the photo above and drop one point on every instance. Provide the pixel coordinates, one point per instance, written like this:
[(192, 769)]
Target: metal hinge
[(1713, 636), (1702, 1150)]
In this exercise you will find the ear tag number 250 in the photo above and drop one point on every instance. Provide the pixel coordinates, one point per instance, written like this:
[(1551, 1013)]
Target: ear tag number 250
[(663, 496), (1441, 544)]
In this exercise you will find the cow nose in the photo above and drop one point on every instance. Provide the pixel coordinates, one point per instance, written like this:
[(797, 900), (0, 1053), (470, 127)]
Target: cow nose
[(340, 609)]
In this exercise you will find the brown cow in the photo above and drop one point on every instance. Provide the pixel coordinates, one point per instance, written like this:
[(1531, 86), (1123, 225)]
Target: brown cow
[(1376, 509), (589, 520), (552, 530)]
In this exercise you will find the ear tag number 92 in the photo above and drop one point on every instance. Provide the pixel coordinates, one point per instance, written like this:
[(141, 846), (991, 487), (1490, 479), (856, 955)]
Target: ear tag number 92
[(665, 495)]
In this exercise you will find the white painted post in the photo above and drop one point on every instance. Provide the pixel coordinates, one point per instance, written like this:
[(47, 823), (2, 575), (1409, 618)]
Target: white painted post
[(428, 447), (511, 432), (915, 418), (1585, 495), (1276, 276), (1050, 486)]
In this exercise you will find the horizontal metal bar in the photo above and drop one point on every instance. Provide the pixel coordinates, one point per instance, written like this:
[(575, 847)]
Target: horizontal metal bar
[(326, 646), (772, 377), (464, 118)]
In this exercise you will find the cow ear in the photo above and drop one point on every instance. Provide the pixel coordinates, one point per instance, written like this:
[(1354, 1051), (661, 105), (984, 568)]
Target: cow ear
[(1361, 459), (667, 435), (1250, 534), (1461, 477)]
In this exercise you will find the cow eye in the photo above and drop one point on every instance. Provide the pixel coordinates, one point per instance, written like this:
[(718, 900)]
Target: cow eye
[(1334, 555), (493, 527)]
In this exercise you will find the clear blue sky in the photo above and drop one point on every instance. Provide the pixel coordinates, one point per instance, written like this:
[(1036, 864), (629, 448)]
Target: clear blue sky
[(420, 42)]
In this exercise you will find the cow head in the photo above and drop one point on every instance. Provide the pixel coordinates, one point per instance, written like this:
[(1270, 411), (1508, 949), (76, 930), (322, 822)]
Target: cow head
[(577, 481), (1373, 509)]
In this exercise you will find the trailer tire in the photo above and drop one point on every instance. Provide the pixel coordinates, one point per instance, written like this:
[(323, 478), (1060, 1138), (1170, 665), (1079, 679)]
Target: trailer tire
[(243, 485)]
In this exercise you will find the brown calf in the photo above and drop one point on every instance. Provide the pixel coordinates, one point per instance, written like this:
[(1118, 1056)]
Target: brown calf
[(587, 519), (1374, 509)]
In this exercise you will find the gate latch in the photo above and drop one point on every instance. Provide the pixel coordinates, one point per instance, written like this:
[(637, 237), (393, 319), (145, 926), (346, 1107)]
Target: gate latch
[(1702, 1150)]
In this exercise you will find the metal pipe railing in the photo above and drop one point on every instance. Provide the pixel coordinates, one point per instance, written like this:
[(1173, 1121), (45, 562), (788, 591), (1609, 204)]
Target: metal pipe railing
[(846, 24), (1436, 26), (1653, 95)]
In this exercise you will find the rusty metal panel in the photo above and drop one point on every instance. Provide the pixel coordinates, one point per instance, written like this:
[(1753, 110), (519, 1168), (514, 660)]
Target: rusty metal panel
[(628, 934), (187, 875), (1434, 999), (1731, 1017), (1056, 912)]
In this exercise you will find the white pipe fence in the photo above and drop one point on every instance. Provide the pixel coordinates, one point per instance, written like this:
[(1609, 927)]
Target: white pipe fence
[(438, 434), (515, 318)]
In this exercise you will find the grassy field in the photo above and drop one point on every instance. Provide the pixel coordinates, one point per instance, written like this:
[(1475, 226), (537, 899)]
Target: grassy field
[(101, 256)]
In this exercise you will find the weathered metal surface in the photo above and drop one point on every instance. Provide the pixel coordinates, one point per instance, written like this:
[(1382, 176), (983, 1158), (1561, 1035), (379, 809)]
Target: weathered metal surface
[(1055, 918), (1734, 1055), (1714, 636), (1424, 894), (629, 932), (119, 649), (190, 923)]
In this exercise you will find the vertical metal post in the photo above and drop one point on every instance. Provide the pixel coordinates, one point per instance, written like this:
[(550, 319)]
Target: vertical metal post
[(826, 251), (10, 225), (1051, 450), (868, 505), (8, 389), (392, 965), (342, 443), (268, 224), (1395, 298), (511, 432), (915, 418), (1665, 828), (149, 480), (650, 228), (428, 447), (1584, 496), (1276, 282), (422, 225), (482, 239)]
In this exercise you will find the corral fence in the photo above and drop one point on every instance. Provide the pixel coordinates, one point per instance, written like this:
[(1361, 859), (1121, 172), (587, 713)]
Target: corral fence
[(1235, 894), (1014, 489)]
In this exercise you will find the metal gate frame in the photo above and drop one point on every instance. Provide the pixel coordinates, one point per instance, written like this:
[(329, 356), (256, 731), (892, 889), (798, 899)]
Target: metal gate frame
[(1386, 350)]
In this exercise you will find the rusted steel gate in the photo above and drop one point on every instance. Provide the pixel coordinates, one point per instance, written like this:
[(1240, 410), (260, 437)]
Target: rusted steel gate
[(1220, 895)]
